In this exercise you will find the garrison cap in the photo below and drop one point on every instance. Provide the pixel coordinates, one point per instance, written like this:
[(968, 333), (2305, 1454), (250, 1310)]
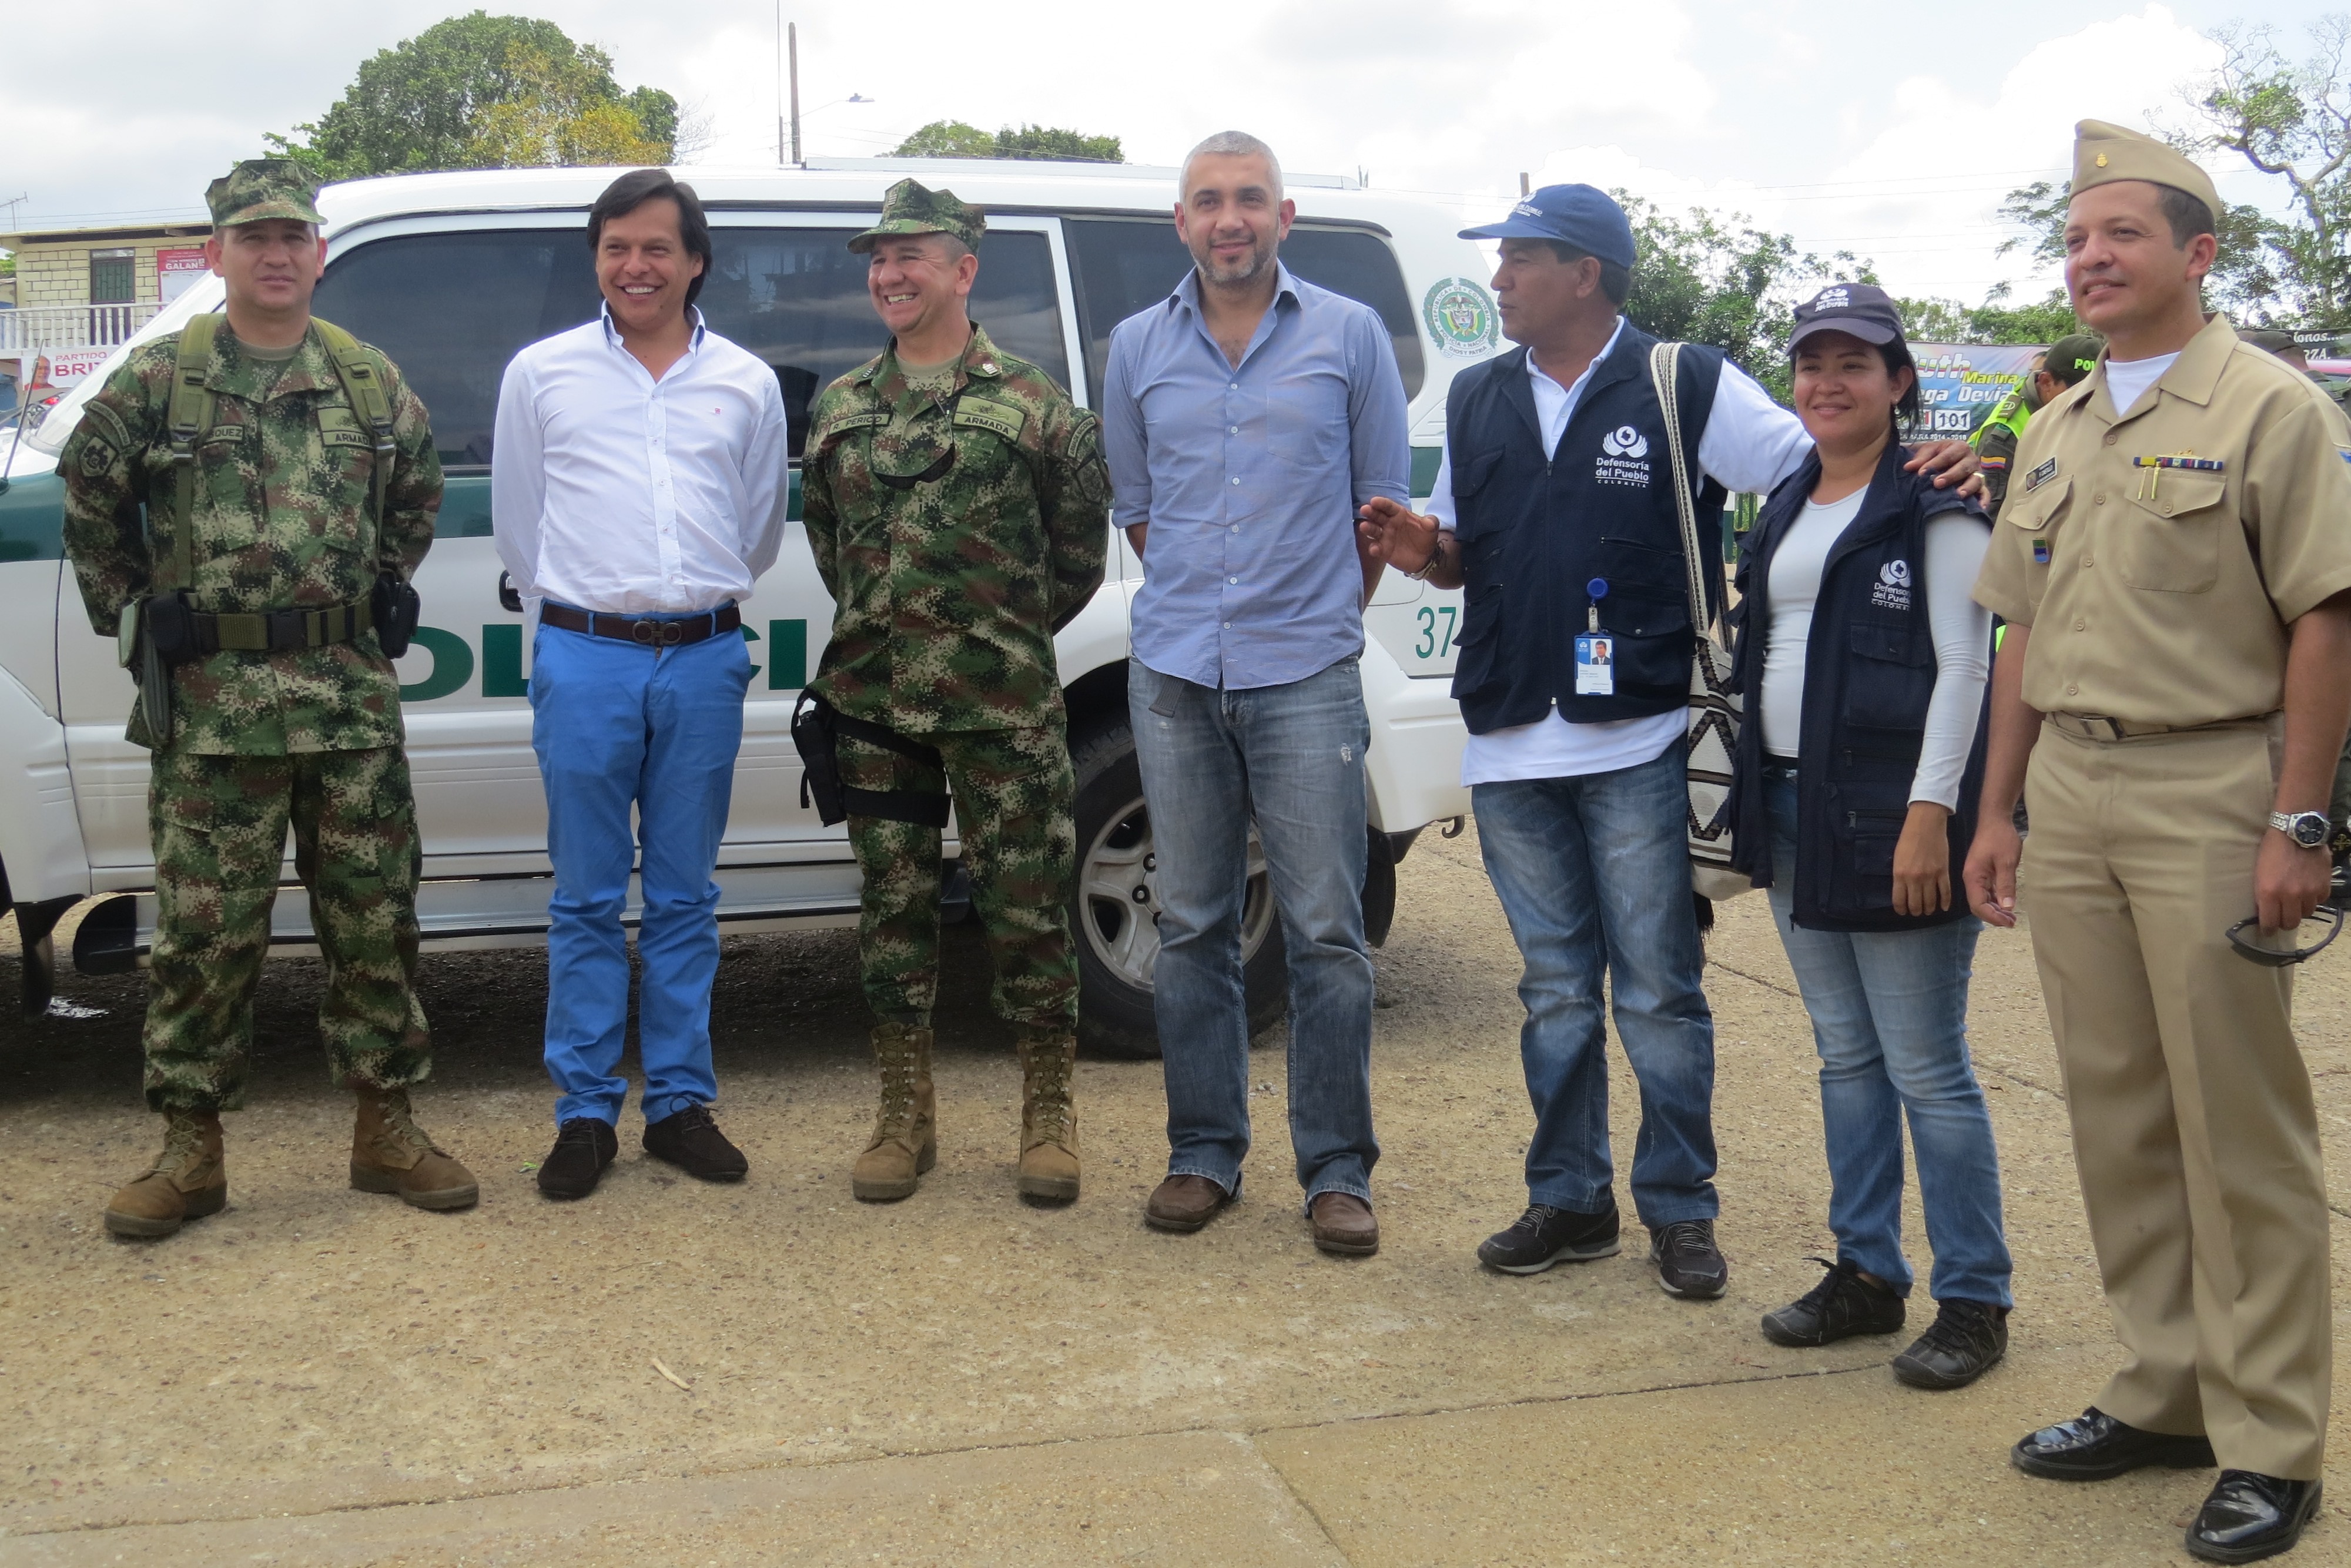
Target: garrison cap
[(262, 188), (2103, 153), (2072, 358), (914, 208)]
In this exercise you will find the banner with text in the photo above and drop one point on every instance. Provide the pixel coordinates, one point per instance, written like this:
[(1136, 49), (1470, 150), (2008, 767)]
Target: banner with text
[(1960, 382)]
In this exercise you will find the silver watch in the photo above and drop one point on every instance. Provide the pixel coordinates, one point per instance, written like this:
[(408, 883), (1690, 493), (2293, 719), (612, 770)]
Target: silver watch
[(2306, 829)]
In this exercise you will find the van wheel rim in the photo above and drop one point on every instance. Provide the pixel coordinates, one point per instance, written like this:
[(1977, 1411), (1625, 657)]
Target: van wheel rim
[(1118, 898)]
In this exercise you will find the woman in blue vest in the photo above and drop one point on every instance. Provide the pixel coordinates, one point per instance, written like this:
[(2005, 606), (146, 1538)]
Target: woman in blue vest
[(1862, 659)]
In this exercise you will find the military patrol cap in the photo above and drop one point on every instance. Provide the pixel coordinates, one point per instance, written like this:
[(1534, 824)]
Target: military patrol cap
[(2103, 153), (914, 208), (2072, 358), (263, 188)]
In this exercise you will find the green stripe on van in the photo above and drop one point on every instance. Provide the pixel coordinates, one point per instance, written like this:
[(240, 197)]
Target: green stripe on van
[(1424, 460), (33, 517)]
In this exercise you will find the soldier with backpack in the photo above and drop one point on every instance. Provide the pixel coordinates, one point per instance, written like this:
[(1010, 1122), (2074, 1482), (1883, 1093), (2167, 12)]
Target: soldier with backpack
[(245, 503)]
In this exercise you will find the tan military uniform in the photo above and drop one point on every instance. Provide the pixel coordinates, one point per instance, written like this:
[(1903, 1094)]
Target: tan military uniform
[(2161, 600)]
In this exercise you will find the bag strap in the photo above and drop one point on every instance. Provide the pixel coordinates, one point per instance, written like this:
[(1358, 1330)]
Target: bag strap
[(189, 420), (363, 385), (1665, 374)]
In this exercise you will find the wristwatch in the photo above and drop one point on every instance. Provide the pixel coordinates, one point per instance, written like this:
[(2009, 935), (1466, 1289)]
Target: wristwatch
[(2306, 829)]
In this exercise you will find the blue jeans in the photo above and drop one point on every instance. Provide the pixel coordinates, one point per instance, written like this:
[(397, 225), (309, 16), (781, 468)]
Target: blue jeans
[(616, 726), (1593, 873), (1291, 758), (1890, 1020)]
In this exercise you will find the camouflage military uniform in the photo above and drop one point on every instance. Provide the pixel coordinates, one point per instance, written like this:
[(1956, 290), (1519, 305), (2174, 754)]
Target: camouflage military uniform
[(309, 737), (948, 594)]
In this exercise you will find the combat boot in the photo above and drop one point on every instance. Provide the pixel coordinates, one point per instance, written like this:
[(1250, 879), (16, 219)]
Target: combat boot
[(905, 1144), (1048, 1123), (390, 1153), (188, 1180)]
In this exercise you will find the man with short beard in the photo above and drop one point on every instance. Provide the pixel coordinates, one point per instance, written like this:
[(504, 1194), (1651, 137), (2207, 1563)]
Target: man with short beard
[(1247, 416), (638, 486)]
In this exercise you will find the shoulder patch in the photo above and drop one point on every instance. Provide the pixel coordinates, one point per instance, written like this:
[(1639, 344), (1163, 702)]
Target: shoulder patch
[(985, 414)]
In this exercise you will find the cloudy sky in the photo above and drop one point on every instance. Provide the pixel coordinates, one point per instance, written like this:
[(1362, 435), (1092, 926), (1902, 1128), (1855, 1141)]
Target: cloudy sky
[(1889, 131)]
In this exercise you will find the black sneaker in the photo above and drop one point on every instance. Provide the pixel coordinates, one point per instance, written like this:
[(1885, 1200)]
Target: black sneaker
[(1543, 1236), (584, 1148), (692, 1141), (1965, 1339), (1688, 1263), (1842, 1305)]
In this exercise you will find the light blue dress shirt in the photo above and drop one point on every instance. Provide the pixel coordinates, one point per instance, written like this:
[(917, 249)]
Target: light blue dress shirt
[(1249, 478)]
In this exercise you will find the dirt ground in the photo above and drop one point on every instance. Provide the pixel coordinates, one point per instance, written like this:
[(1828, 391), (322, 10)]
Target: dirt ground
[(321, 1376)]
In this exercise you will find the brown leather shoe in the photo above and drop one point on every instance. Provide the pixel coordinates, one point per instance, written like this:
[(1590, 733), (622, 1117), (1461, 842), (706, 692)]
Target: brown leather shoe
[(391, 1154), (1184, 1204), (1344, 1224), (188, 1180)]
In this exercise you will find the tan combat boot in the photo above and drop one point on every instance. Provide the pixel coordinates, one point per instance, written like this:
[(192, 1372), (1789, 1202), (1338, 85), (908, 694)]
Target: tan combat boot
[(905, 1144), (1048, 1123), (188, 1180), (390, 1153)]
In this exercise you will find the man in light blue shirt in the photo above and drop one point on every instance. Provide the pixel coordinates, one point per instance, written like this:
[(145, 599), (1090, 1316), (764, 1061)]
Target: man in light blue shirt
[(1246, 418)]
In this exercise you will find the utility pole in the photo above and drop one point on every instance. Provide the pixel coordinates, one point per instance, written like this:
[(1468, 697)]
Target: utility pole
[(783, 141), (793, 37), (1522, 185)]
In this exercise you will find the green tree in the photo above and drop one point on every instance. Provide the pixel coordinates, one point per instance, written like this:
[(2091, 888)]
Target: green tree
[(960, 139), (481, 92), (1994, 321), (2293, 119), (1707, 278), (2245, 278)]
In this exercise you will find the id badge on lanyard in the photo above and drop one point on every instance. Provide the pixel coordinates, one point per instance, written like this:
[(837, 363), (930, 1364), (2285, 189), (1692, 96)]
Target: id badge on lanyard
[(1595, 649)]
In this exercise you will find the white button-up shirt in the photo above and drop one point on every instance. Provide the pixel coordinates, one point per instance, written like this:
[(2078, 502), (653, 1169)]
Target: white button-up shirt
[(616, 492)]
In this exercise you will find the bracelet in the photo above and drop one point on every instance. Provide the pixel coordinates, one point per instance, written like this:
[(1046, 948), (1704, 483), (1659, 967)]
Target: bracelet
[(1436, 554)]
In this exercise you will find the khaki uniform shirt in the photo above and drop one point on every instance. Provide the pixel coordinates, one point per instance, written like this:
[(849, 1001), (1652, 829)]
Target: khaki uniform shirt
[(2162, 596)]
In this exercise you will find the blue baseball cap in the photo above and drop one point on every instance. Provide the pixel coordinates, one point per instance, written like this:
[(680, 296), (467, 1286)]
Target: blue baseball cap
[(1580, 215)]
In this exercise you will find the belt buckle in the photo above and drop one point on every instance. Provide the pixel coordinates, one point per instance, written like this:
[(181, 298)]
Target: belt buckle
[(645, 632)]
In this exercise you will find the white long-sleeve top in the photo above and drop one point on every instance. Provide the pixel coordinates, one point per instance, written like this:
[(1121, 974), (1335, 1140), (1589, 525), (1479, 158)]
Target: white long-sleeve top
[(614, 492), (1961, 629)]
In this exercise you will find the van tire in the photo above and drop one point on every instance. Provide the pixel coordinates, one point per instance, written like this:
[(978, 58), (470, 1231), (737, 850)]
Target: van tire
[(1115, 1007)]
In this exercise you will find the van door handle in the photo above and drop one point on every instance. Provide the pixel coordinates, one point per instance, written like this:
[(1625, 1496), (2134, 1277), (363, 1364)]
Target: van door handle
[(508, 599)]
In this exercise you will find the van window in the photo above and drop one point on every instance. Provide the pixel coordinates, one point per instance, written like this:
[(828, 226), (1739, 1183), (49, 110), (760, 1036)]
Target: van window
[(1118, 266), (452, 309)]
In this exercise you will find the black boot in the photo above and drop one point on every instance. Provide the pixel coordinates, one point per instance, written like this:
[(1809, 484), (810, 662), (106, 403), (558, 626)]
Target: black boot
[(692, 1141), (584, 1149)]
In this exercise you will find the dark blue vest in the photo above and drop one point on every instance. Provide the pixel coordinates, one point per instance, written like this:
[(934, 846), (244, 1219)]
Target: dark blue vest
[(1869, 672), (1536, 528)]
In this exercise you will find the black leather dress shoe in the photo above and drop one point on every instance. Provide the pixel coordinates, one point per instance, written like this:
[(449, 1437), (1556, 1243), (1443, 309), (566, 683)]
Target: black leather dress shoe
[(584, 1148), (692, 1141), (2095, 1446), (2248, 1516)]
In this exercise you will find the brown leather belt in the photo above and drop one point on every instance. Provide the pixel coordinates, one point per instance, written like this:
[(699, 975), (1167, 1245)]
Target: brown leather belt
[(2097, 727), (643, 630)]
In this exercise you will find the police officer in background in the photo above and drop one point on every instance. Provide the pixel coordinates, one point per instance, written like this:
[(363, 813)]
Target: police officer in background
[(958, 509), (2062, 365), (289, 485), (2177, 577)]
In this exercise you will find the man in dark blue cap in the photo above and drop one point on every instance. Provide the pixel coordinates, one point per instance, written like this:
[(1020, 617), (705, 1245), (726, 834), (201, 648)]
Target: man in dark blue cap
[(1555, 507)]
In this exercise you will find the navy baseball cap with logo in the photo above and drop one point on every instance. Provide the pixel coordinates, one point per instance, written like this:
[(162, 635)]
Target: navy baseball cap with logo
[(1858, 309), (1578, 216)]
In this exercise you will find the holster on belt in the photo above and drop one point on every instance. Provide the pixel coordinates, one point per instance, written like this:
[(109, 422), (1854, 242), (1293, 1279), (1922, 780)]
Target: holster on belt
[(817, 729)]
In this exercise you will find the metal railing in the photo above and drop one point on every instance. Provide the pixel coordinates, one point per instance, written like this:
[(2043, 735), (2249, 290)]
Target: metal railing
[(35, 328)]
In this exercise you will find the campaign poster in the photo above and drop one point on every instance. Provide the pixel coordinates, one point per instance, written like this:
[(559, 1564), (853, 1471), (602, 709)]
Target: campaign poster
[(1960, 382), (54, 370), (175, 270)]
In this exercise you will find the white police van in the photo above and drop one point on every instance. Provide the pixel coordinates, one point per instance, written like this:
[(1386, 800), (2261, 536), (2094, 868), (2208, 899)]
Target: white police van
[(451, 274)]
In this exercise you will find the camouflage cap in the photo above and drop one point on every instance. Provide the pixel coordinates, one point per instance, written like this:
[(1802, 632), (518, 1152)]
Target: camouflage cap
[(2073, 357), (262, 188), (913, 208)]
